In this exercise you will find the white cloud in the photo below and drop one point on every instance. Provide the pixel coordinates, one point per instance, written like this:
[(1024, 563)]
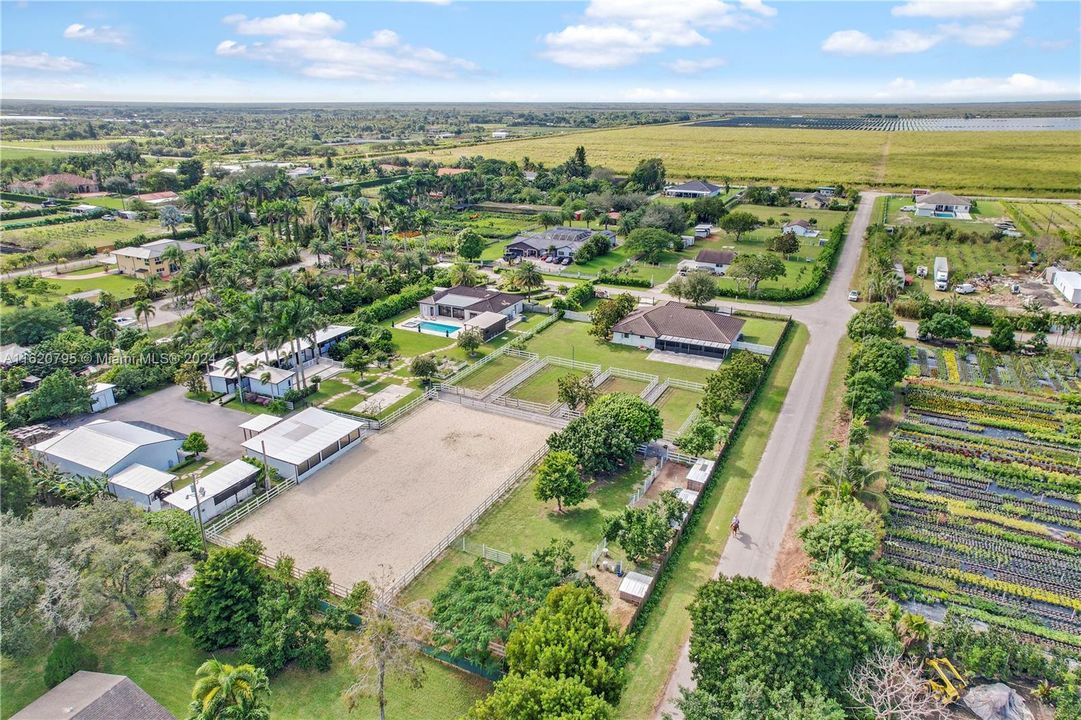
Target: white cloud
[(961, 8), (290, 24), (105, 34), (1016, 85), (994, 32), (615, 33), (686, 66), (1048, 44), (898, 42), (42, 61), (303, 43)]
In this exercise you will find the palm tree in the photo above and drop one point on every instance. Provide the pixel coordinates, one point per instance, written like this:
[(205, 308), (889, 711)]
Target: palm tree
[(174, 256), (424, 220), (323, 215), (150, 283), (361, 217), (144, 309), (913, 629), (293, 322), (197, 198), (527, 277), (227, 337), (844, 474), (199, 271), (228, 692), (462, 273), (107, 328)]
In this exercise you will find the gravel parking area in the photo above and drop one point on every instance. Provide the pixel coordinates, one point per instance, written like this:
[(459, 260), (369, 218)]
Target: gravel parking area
[(391, 498)]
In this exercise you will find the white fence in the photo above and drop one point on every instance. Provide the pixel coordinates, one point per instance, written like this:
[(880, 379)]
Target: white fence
[(490, 406), (223, 522), (757, 349), (591, 368), (487, 552), (672, 435), (647, 482), (685, 385), (577, 316), (515, 477)]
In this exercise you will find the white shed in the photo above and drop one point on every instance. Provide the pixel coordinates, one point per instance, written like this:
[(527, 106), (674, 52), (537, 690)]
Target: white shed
[(635, 587), (698, 476), (220, 490), (142, 485), (1069, 284), (101, 397), (105, 447)]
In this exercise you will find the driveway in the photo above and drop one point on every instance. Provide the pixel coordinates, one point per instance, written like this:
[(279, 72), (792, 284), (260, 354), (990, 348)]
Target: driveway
[(170, 409), (775, 486)]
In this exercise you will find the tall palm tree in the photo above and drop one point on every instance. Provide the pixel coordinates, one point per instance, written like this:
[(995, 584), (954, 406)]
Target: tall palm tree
[(424, 220), (228, 692), (226, 338), (199, 271), (323, 215), (528, 278), (107, 328), (144, 310), (362, 216), (462, 273), (846, 473), (197, 198), (151, 283), (292, 319), (173, 255)]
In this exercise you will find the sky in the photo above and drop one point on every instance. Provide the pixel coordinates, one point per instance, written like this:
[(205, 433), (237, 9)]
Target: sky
[(592, 51)]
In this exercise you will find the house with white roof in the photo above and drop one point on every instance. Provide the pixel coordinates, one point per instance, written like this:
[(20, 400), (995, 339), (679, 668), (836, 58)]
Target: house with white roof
[(144, 486), (943, 205), (302, 443), (274, 373), (693, 189), (220, 490), (105, 447)]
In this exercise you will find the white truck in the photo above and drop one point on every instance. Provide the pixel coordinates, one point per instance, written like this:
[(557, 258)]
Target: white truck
[(942, 273)]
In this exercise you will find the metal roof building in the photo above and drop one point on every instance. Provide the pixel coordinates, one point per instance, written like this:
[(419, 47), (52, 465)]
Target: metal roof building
[(105, 447), (299, 444), (142, 485), (218, 491)]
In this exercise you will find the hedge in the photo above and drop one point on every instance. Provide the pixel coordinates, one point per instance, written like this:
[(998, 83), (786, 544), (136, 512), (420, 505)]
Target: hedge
[(54, 221), (29, 212), (624, 280), (22, 197), (391, 305), (820, 273)]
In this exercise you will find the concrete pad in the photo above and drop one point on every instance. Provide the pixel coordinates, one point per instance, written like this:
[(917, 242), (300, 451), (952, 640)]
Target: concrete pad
[(695, 361), (382, 399)]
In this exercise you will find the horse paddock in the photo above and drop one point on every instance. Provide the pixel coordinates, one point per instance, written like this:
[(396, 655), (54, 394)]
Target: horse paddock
[(387, 501)]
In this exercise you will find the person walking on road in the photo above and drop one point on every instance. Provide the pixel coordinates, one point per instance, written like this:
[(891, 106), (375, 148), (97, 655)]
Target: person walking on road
[(735, 526)]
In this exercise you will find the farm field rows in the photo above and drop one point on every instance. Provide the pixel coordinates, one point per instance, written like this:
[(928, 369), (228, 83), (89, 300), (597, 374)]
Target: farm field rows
[(1017, 163), (985, 515), (121, 287), (1056, 372), (1041, 218), (93, 233)]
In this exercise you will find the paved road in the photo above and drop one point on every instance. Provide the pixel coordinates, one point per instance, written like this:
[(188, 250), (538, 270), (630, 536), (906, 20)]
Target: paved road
[(776, 484)]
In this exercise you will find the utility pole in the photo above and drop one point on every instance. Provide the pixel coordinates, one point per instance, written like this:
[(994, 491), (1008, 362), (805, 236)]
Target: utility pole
[(199, 511)]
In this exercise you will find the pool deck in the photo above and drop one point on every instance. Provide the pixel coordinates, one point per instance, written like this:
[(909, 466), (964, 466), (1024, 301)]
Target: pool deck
[(440, 329)]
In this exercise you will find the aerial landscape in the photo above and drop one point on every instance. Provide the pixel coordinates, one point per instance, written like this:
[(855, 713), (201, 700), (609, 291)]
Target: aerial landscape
[(597, 359)]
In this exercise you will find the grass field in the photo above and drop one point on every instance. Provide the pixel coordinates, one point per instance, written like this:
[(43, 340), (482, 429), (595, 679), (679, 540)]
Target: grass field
[(621, 385), (1019, 163), (120, 286), (491, 372), (162, 661), (566, 339), (761, 331), (541, 387), (522, 524), (659, 641), (675, 406), (1037, 219), (95, 233)]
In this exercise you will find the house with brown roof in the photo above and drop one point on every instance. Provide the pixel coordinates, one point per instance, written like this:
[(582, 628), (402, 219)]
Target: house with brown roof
[(56, 184), (465, 303), (679, 328), (815, 201), (714, 261), (95, 696)]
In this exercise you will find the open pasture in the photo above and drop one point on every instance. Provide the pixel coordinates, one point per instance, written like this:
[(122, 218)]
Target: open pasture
[(1011, 163)]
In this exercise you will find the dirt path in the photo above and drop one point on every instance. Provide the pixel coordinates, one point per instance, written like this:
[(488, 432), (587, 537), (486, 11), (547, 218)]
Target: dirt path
[(883, 162)]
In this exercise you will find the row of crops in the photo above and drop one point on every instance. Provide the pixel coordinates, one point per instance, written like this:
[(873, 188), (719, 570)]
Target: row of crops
[(1055, 372), (895, 124), (985, 508)]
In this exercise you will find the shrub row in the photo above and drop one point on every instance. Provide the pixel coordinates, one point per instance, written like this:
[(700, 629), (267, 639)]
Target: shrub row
[(23, 197), (820, 273), (391, 305), (624, 280), (29, 212), (61, 220)]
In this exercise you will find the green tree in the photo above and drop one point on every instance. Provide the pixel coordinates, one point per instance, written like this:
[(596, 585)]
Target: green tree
[(642, 532), (867, 393), (144, 310), (599, 442), (609, 312), (470, 340), (754, 268), (1001, 337), (648, 175), (945, 326), (746, 632), (739, 222), (195, 443), (887, 358), (67, 658), (556, 478), (424, 367), (758, 703), (637, 419), (527, 277), (223, 599), (570, 636), (699, 287), (784, 244), (845, 473), (32, 325), (649, 243), (179, 528), (844, 527), (576, 390), (482, 604), (699, 439), (59, 395), (170, 218), (228, 692), (736, 377), (16, 485), (386, 647), (875, 320), (536, 696), (470, 244)]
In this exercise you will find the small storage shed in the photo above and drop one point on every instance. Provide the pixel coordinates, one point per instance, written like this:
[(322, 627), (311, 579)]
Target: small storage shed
[(101, 397), (635, 587), (1069, 284), (489, 324), (258, 424), (218, 491), (688, 496), (698, 476), (144, 486)]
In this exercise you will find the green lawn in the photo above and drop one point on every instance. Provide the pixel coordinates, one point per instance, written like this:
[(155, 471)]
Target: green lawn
[(541, 387), (327, 390), (413, 342), (120, 286), (96, 233), (824, 219), (113, 202), (92, 270), (676, 405), (522, 524), (761, 331), (570, 339), (162, 661), (621, 385), (984, 214), (491, 372), (659, 641)]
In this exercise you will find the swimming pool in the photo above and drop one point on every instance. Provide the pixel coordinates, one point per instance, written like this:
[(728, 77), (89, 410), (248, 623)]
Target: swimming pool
[(945, 215), (440, 328)]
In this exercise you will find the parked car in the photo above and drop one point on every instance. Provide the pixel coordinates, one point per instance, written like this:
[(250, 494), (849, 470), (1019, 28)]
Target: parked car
[(123, 320), (109, 217), (965, 289), (48, 203), (853, 296), (567, 260)]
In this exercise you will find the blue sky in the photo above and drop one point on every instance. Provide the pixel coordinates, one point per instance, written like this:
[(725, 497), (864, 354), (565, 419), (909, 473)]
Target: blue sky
[(599, 50)]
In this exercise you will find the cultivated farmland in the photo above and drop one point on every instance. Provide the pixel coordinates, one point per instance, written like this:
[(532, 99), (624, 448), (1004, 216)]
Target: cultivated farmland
[(1013, 163)]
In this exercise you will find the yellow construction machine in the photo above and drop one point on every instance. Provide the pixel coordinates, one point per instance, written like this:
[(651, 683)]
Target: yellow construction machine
[(946, 683)]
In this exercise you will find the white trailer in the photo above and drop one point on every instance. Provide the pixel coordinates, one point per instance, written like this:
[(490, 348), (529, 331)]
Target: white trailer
[(942, 273)]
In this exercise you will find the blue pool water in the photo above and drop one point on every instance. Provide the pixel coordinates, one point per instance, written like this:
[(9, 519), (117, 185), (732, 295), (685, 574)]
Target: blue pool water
[(944, 215), (438, 327)]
